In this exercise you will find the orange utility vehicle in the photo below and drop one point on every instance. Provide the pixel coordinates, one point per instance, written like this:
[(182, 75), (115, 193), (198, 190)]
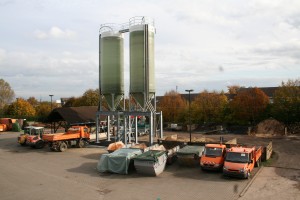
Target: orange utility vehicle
[(75, 136), (213, 157), (30, 132), (6, 124), (240, 161)]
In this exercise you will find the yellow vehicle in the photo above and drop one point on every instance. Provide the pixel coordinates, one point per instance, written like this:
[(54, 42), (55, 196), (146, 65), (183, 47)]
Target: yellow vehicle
[(29, 130)]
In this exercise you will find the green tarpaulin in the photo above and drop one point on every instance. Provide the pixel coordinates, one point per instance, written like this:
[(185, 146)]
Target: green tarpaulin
[(151, 155), (191, 150), (118, 161)]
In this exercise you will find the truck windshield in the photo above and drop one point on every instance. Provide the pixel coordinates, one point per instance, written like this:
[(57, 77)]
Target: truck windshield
[(237, 157), (27, 130), (210, 151)]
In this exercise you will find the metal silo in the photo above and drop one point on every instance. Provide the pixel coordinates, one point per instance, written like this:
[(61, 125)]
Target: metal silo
[(111, 65), (142, 80)]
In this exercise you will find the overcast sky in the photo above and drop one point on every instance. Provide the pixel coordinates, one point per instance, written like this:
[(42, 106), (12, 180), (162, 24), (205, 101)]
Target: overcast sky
[(51, 46)]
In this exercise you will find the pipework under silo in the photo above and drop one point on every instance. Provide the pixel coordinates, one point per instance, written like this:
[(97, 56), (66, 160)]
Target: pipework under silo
[(142, 79), (111, 69)]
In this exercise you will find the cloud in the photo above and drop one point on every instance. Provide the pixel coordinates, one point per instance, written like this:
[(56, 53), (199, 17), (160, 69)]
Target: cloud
[(2, 54), (55, 33), (289, 49), (61, 73), (6, 2)]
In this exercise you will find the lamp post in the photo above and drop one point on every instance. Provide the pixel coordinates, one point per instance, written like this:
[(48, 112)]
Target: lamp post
[(189, 91), (51, 95)]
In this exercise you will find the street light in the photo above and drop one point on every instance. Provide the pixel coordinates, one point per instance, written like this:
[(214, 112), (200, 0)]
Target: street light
[(51, 95), (189, 91)]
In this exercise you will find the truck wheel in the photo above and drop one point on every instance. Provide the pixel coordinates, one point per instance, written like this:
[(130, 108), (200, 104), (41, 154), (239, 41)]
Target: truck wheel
[(257, 164), (52, 149), (248, 175), (81, 143), (63, 147), (23, 144), (39, 144)]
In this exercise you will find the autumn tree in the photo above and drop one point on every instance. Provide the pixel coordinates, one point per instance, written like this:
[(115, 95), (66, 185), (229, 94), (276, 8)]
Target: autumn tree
[(89, 98), (173, 107), (286, 106), (33, 101), (6, 94), (233, 89), (249, 105), (43, 109), (208, 107), (20, 108)]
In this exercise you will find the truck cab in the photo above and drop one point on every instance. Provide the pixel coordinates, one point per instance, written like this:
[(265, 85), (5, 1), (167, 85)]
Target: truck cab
[(35, 139), (28, 131), (213, 157), (240, 161)]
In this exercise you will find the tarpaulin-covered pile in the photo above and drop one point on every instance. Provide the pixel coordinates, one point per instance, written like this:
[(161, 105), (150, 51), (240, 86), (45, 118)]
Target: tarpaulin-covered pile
[(151, 155), (189, 155), (118, 161)]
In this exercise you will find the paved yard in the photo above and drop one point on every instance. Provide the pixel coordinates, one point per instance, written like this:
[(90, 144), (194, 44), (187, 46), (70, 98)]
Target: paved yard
[(34, 174)]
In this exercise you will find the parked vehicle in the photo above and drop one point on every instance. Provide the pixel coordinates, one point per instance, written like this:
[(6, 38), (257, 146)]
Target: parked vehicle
[(75, 136), (6, 124), (28, 130), (34, 139), (240, 161), (213, 157)]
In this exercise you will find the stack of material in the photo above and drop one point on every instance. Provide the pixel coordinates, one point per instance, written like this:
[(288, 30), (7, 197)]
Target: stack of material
[(152, 162), (190, 155), (158, 148), (120, 161), (115, 146), (141, 146), (172, 154)]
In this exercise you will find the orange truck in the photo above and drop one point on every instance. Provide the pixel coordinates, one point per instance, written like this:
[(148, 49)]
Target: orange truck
[(240, 161), (213, 157), (77, 136)]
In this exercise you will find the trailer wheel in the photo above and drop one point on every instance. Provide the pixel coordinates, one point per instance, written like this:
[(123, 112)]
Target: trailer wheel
[(39, 144), (63, 147)]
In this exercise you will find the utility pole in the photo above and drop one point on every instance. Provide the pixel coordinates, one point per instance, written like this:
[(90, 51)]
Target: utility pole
[(189, 91)]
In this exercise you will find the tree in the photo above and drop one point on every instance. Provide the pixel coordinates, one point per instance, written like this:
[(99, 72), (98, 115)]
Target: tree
[(209, 107), (71, 102), (89, 98), (6, 94), (21, 108), (33, 101), (43, 109), (173, 107), (286, 106), (233, 89), (249, 105)]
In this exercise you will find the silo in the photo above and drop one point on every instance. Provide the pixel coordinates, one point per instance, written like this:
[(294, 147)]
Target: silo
[(111, 66), (142, 80)]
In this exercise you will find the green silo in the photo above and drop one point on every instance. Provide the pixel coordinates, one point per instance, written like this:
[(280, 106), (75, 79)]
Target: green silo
[(112, 67), (142, 80)]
